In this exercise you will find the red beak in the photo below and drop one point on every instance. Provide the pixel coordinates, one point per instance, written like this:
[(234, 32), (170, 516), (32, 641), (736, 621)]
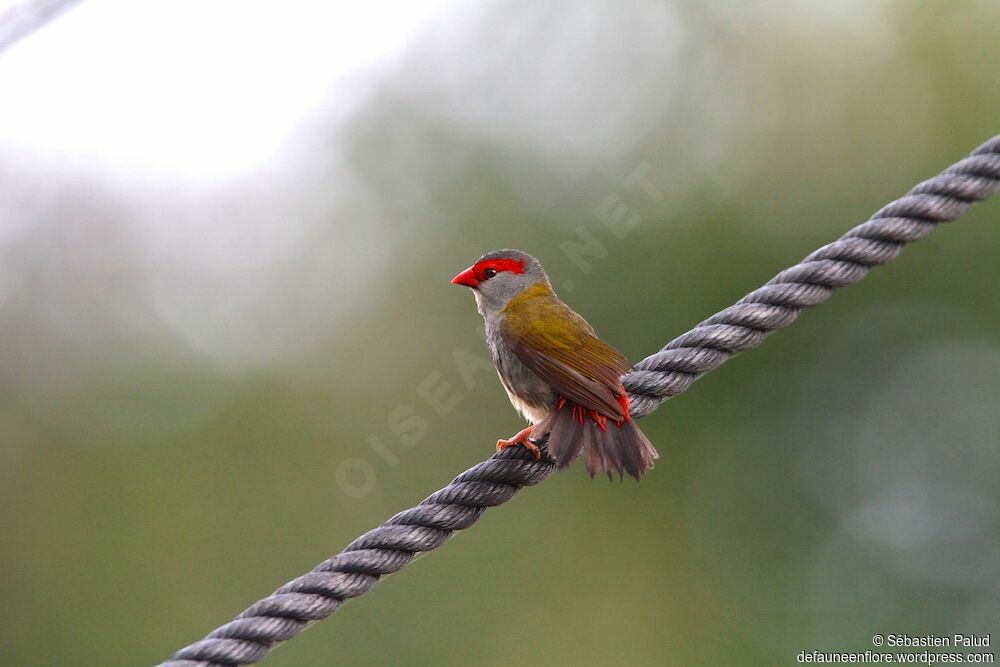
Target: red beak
[(467, 278)]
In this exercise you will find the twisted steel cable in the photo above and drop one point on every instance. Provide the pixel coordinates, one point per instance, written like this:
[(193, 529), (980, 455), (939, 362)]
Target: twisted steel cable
[(745, 324), (742, 326)]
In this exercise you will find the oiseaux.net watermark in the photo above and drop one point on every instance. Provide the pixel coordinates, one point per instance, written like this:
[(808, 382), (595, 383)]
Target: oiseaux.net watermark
[(929, 649), (441, 391)]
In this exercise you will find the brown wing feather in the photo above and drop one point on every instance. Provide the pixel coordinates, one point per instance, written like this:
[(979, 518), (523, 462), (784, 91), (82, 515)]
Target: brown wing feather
[(560, 347)]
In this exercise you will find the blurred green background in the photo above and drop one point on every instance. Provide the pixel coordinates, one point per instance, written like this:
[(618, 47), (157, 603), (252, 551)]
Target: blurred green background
[(199, 366)]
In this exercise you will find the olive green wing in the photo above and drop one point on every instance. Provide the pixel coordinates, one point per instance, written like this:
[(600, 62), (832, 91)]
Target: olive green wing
[(560, 347)]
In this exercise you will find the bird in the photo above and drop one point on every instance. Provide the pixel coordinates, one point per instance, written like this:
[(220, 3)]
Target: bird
[(557, 373)]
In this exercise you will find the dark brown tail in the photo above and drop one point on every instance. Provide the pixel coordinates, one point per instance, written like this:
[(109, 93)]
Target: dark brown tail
[(607, 446)]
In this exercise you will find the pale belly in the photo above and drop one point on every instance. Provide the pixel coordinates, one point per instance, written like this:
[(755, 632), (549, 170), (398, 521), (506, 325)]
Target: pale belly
[(532, 412), (528, 393)]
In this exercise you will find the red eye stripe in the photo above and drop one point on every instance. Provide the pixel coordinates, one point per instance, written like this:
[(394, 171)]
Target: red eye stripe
[(512, 265)]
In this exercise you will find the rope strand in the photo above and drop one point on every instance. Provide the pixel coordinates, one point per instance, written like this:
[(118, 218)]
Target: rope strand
[(743, 326)]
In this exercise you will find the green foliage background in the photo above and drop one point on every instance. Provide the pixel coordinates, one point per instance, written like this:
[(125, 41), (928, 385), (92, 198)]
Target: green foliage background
[(838, 482)]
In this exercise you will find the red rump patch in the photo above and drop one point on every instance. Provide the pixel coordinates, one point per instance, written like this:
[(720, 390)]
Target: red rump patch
[(498, 265), (579, 412), (623, 401)]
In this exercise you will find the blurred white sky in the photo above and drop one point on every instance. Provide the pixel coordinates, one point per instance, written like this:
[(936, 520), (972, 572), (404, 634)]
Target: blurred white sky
[(193, 90), (249, 167), (173, 120)]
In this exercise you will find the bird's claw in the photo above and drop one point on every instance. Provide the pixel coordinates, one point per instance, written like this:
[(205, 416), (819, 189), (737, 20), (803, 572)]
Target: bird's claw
[(521, 439)]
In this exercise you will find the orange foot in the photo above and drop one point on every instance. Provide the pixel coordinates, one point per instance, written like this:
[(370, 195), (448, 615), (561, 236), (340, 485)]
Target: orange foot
[(521, 439)]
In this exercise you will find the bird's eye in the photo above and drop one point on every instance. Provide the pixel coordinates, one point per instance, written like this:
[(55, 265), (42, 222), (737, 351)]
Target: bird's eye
[(489, 273)]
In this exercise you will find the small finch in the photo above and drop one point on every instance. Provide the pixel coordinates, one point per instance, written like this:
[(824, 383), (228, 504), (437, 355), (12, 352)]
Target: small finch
[(557, 372)]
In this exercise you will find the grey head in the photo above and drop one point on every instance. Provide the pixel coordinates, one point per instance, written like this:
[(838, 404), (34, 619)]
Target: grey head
[(499, 276)]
